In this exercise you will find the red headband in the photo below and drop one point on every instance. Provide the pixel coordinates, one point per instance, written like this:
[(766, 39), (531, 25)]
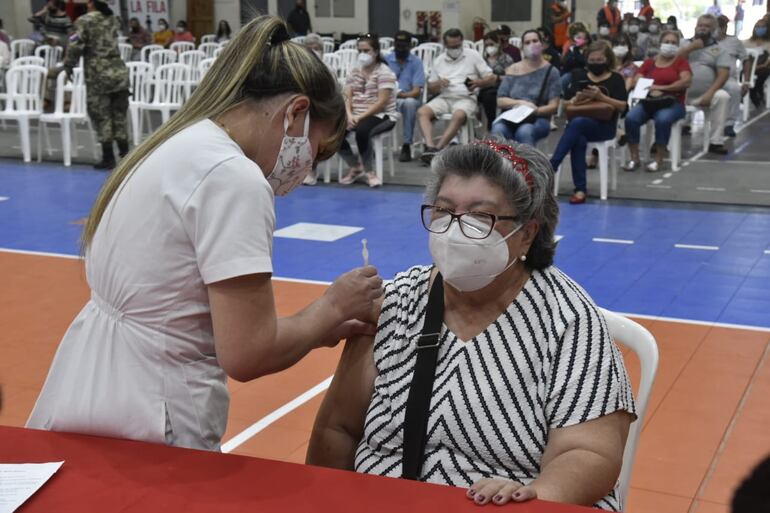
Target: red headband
[(520, 165)]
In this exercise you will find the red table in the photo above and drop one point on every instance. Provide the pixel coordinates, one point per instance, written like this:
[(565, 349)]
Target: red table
[(109, 475)]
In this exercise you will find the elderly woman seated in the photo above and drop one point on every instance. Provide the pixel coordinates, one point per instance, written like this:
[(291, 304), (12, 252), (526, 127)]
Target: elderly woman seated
[(528, 395)]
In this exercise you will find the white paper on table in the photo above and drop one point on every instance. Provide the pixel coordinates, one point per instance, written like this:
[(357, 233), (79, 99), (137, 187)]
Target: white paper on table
[(19, 481), (516, 114), (642, 88)]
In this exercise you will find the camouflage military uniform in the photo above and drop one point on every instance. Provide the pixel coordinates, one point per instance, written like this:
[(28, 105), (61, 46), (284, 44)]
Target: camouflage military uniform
[(96, 39)]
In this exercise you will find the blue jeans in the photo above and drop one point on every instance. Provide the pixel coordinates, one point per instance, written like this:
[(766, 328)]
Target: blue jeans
[(575, 139), (664, 120), (526, 133), (408, 109), (565, 81)]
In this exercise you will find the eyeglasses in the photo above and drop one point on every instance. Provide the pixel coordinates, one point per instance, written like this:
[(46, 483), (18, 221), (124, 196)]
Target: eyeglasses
[(474, 225)]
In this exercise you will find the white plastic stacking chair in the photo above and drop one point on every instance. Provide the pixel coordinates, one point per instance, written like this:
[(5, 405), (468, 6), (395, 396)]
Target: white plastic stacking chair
[(192, 59), (386, 43), (25, 85), (515, 41), (427, 53), (182, 46), (140, 86), (209, 38), (218, 51), (639, 340), (754, 54), (126, 50), (332, 61), (479, 46), (350, 44), (204, 66), (327, 39), (208, 49), (51, 55), (22, 48), (693, 110), (147, 50), (328, 46), (348, 59), (66, 118), (300, 40), (159, 58), (607, 165), (122, 40), (171, 89), (30, 60), (415, 42), (674, 142), (381, 150)]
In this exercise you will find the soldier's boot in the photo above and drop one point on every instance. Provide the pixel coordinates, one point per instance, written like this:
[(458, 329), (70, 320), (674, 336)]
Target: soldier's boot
[(108, 157), (122, 148)]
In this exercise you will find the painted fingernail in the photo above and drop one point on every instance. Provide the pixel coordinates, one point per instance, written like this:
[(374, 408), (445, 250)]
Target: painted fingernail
[(498, 498), (480, 498), (471, 492), (517, 495)]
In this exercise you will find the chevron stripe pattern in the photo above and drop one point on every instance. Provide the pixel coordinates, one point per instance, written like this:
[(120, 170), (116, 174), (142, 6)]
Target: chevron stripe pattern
[(547, 362)]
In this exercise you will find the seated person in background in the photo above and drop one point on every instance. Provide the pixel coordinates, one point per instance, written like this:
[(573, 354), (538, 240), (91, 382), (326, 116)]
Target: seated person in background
[(531, 396), (551, 52), (574, 58), (499, 61), (223, 32), (597, 83), (665, 105), (314, 43), (532, 82), (505, 35), (737, 52), (456, 74), (572, 31), (605, 34), (411, 81), (624, 61), (638, 40), (138, 38), (182, 34), (164, 36), (760, 40), (371, 105), (671, 24), (653, 37), (711, 66)]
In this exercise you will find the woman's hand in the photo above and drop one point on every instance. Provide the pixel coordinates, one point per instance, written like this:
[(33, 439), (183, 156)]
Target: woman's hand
[(500, 491), (592, 93), (352, 121), (353, 294), (346, 330)]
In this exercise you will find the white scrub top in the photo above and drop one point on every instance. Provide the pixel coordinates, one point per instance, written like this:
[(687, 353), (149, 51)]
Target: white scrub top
[(139, 362)]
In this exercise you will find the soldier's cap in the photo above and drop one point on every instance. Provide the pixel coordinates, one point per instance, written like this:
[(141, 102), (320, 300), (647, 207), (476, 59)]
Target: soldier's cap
[(402, 36)]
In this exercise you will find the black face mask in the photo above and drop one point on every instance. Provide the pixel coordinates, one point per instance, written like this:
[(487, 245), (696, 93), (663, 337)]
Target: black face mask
[(402, 54), (597, 68)]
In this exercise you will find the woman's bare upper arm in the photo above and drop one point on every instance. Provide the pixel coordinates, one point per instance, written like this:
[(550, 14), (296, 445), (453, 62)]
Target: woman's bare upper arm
[(605, 436)]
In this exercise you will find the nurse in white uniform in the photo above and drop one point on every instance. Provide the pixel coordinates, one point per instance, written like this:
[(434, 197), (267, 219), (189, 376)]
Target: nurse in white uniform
[(178, 254)]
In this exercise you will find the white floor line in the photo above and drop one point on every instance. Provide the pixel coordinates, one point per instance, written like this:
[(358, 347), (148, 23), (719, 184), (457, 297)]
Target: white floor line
[(40, 253), (711, 189), (613, 241), (657, 181), (667, 175), (264, 422), (760, 191), (767, 252), (694, 158), (733, 162), (4, 198), (752, 121), (696, 246), (658, 186)]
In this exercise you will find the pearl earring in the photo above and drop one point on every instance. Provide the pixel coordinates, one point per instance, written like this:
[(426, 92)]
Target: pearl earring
[(523, 258)]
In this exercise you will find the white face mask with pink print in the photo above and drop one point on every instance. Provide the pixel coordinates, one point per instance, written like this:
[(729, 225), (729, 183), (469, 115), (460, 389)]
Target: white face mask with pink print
[(294, 162)]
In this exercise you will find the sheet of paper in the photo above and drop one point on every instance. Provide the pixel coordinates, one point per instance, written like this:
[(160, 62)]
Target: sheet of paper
[(516, 114), (19, 481), (642, 88)]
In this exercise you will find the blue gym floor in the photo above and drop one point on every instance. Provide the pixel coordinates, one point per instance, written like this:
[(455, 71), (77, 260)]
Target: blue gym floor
[(638, 271)]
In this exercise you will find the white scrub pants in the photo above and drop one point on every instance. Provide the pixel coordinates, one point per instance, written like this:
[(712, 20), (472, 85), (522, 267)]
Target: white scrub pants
[(733, 88), (717, 113)]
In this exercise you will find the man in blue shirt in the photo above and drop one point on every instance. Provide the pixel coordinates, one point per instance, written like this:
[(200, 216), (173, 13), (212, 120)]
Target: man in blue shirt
[(411, 79)]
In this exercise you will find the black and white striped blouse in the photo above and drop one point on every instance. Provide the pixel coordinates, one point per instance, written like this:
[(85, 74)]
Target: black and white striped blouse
[(547, 362)]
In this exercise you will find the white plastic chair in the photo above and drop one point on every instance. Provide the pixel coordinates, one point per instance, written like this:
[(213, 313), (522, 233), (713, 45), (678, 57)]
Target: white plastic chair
[(692, 110), (122, 40), (147, 50), (328, 46), (159, 58), (171, 89), (300, 40), (415, 42), (25, 86), (386, 43), (327, 39), (381, 150), (515, 41), (208, 49), (126, 50), (204, 66), (66, 118), (350, 44), (51, 55), (674, 142), (427, 54), (754, 54), (468, 44), (640, 341), (218, 51), (182, 46), (209, 38), (607, 163), (332, 61), (192, 59), (479, 46), (140, 80), (348, 58), (22, 48), (30, 60)]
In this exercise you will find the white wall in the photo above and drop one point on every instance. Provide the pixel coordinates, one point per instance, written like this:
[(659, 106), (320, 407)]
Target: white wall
[(359, 23), (229, 10), (14, 14)]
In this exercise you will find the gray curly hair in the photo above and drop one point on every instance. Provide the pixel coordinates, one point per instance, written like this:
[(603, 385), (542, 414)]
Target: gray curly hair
[(538, 203)]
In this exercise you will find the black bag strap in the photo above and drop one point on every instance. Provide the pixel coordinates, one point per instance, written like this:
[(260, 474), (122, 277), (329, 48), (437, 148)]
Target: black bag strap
[(421, 389), (542, 87)]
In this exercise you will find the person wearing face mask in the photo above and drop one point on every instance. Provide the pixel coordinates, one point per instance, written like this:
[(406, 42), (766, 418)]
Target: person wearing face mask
[(624, 60), (603, 33), (182, 34), (56, 24), (410, 74), (646, 12), (138, 37), (455, 76), (653, 38), (370, 101), (596, 83), (609, 15), (574, 58), (505, 33), (525, 368), (737, 52), (671, 24), (760, 40), (178, 255), (534, 83), (558, 22), (711, 66), (164, 36), (666, 101), (550, 52), (638, 40), (499, 61)]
